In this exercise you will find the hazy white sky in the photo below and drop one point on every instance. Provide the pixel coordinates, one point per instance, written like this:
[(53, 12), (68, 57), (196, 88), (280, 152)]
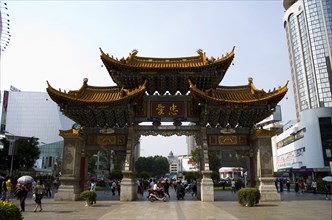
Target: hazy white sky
[(59, 41)]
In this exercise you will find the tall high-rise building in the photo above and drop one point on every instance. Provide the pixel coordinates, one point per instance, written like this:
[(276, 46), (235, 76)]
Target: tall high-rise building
[(308, 26), (304, 150), (32, 114)]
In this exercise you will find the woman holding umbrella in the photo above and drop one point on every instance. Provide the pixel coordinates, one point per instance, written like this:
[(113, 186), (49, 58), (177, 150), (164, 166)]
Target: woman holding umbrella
[(21, 193)]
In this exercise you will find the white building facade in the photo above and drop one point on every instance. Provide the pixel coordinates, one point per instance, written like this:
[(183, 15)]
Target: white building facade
[(33, 114), (304, 149)]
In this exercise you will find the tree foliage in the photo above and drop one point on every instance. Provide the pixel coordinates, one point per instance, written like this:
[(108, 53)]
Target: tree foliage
[(155, 166), (196, 157), (214, 161), (92, 163), (116, 175), (189, 176), (144, 175), (26, 153), (215, 175), (107, 158)]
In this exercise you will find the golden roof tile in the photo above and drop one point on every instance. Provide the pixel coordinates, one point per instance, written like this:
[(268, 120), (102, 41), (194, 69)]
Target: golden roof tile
[(149, 63), (246, 94), (92, 95)]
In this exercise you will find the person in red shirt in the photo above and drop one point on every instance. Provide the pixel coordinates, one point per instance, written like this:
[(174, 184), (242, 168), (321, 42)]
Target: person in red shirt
[(302, 186)]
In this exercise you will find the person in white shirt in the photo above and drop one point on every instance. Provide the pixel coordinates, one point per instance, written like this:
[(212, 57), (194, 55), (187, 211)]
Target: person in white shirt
[(233, 186)]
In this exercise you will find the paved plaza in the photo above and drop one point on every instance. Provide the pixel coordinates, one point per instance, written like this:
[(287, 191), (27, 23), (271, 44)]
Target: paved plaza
[(302, 206)]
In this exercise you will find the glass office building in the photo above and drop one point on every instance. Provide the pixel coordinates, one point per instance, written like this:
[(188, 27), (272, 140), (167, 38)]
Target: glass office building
[(308, 27), (32, 114), (304, 150)]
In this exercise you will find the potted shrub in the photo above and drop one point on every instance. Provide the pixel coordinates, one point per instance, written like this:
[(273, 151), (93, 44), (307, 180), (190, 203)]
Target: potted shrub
[(248, 196), (9, 211), (89, 197)]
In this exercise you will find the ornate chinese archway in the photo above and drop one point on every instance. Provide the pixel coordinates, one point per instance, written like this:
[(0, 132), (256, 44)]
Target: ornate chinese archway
[(158, 90)]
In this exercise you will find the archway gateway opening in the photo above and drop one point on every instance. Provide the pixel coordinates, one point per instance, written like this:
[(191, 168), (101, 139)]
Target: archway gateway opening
[(173, 90)]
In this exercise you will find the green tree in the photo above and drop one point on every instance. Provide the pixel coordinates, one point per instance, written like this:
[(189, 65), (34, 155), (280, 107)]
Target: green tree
[(161, 165), (144, 175), (190, 176), (92, 163), (105, 159), (196, 157), (156, 166), (118, 158), (116, 175), (26, 153), (214, 161), (109, 157), (215, 175), (144, 164)]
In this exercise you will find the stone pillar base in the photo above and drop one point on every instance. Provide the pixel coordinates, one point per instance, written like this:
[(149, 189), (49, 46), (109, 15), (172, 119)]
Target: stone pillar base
[(206, 192), (268, 190), (69, 190), (128, 187)]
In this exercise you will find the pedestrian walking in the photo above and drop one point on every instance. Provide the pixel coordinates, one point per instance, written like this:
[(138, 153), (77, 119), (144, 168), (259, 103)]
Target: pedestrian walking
[(288, 185), (107, 187), (3, 190), (281, 184), (9, 189), (113, 188), (22, 195), (302, 186), (166, 188), (140, 187), (194, 188), (276, 184), (327, 190), (314, 186), (296, 187), (93, 188), (233, 186), (118, 186), (48, 189), (39, 192)]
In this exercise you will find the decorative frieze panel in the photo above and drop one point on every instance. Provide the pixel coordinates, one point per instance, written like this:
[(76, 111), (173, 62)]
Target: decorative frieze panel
[(227, 140), (106, 140)]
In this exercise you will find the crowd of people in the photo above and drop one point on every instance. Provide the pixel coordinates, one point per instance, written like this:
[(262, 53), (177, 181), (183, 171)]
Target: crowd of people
[(301, 186), (41, 189), (165, 184), (20, 191)]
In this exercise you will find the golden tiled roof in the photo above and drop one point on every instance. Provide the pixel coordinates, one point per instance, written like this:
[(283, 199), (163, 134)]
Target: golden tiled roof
[(244, 95), (92, 95), (149, 63)]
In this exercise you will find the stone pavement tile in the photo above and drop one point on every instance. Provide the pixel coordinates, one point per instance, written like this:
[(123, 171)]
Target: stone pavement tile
[(303, 207)]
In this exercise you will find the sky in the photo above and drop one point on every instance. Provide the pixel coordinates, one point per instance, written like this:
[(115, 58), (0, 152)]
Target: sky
[(59, 41)]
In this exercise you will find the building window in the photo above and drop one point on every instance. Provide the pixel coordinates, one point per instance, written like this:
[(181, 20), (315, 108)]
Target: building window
[(325, 125)]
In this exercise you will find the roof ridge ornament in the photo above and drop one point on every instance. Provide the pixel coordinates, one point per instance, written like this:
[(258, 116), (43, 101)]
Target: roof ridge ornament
[(202, 55), (131, 56)]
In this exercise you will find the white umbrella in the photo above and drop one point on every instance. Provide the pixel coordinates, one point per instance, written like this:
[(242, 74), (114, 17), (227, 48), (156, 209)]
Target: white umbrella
[(25, 179), (328, 178)]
